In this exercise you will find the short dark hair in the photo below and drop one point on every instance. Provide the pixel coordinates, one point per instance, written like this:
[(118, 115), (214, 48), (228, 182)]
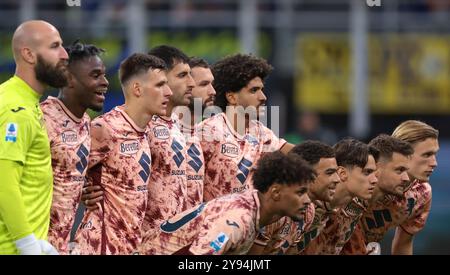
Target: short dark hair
[(198, 62), (351, 152), (312, 151), (387, 145), (170, 55), (234, 72), (277, 167), (138, 63), (78, 51)]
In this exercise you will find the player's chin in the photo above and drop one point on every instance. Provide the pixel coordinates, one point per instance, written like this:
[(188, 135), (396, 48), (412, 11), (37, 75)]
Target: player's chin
[(96, 106)]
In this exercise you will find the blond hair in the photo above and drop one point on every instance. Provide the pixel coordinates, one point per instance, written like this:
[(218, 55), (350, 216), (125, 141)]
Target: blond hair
[(414, 131)]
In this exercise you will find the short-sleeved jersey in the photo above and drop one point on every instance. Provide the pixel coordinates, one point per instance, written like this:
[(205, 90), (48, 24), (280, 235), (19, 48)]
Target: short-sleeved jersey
[(338, 230), (321, 215), (229, 157), (70, 143), (410, 212), (195, 167), (167, 190), (120, 163), (24, 139), (226, 225), (278, 237)]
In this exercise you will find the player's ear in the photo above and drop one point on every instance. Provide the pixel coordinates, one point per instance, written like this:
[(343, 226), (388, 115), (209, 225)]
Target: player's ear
[(231, 98), (137, 89), (342, 173), (28, 55), (275, 193), (70, 80)]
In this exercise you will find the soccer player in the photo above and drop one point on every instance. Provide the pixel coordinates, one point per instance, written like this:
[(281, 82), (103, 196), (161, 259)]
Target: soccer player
[(168, 189), (289, 237), (25, 161), (68, 127), (229, 224), (120, 159), (230, 151), (204, 93), (406, 207), (357, 172)]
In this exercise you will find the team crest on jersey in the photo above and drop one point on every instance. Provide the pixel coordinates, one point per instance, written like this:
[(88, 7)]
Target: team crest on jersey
[(219, 242), (69, 137), (252, 140), (11, 132), (129, 147), (230, 150), (161, 132)]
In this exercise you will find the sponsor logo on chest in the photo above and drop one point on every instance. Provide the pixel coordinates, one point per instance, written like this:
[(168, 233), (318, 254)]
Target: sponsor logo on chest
[(129, 147), (229, 149), (161, 132), (69, 137)]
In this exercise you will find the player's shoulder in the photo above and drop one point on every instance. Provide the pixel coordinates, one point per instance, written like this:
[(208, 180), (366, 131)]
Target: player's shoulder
[(419, 189), (211, 121), (16, 111)]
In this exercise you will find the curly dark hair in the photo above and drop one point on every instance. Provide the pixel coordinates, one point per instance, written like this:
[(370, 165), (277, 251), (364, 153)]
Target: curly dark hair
[(387, 145), (351, 152), (312, 151), (138, 63), (232, 73), (279, 168), (170, 55), (78, 51)]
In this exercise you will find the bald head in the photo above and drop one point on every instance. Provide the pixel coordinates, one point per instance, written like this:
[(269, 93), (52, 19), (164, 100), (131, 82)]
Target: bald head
[(40, 57), (33, 35)]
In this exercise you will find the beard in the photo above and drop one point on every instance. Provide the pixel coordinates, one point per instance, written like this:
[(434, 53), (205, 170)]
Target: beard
[(53, 76)]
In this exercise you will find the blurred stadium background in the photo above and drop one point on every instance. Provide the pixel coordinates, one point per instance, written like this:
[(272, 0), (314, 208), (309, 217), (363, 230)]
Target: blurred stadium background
[(341, 67)]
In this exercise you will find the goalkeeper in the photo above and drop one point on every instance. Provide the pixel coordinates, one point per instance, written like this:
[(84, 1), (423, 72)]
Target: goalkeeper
[(26, 181)]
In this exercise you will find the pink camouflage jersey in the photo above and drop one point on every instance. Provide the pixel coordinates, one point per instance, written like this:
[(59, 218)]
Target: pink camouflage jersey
[(229, 157), (226, 225), (70, 144), (321, 215), (195, 168), (120, 163), (338, 230), (167, 189), (282, 236), (410, 212)]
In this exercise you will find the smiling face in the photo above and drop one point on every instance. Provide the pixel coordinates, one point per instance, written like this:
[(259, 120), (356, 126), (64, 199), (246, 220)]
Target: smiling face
[(324, 186), (88, 79)]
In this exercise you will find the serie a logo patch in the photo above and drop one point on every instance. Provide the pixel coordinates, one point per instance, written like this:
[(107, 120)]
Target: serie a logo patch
[(11, 132)]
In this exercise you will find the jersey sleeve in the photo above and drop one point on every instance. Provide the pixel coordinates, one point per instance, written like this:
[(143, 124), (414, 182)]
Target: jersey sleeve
[(271, 142), (218, 237), (16, 135), (417, 222)]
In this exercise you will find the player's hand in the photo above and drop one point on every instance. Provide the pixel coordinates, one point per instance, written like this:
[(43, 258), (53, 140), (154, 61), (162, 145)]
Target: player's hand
[(29, 245), (91, 195), (373, 248)]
